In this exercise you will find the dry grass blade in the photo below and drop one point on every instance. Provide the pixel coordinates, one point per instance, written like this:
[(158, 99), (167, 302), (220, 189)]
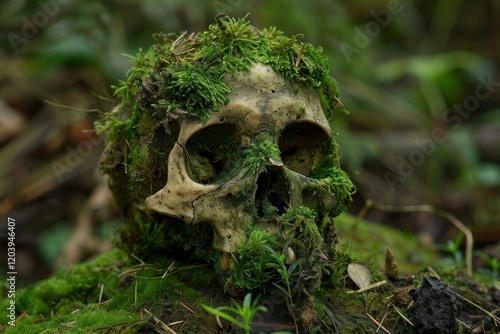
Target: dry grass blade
[(161, 323), (100, 295), (491, 315), (176, 322), (169, 269), (433, 272), (381, 322), (469, 240)]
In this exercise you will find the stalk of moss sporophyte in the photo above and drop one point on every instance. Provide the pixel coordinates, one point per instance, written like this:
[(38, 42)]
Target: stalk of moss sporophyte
[(240, 315)]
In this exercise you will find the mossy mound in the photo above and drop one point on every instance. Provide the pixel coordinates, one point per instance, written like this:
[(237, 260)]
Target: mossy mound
[(182, 76), (116, 293)]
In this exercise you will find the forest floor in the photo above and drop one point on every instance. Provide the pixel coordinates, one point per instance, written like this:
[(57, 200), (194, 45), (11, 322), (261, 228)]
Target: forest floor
[(383, 280)]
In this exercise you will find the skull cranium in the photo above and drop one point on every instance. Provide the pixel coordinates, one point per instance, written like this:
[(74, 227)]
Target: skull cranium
[(224, 172)]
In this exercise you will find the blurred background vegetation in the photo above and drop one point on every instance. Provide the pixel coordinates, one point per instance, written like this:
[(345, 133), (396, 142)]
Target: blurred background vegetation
[(403, 67)]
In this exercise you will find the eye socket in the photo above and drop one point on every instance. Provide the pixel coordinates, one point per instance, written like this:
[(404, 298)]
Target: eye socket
[(301, 146), (213, 154)]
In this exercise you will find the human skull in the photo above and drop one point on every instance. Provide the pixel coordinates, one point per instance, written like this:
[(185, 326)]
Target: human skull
[(212, 177)]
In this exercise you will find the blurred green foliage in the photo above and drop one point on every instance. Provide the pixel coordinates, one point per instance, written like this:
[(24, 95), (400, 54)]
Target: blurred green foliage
[(402, 67)]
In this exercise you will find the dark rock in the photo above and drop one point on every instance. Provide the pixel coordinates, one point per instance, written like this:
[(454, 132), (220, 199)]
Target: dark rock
[(435, 307)]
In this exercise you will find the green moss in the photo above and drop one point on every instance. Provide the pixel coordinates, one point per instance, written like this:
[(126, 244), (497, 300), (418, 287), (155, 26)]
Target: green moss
[(134, 291), (368, 242), (88, 319), (69, 301), (334, 179), (258, 154), (300, 230), (249, 262), (68, 290), (79, 284), (186, 71)]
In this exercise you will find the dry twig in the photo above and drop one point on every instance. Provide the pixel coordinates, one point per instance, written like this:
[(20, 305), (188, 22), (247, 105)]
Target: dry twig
[(368, 287), (469, 240)]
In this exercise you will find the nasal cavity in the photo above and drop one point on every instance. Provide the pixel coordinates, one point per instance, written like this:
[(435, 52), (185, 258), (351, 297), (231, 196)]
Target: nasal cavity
[(272, 196)]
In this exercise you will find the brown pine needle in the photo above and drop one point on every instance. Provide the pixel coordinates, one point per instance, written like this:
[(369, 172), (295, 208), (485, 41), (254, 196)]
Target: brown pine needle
[(22, 316), (187, 308), (218, 321), (402, 315), (381, 322), (378, 324), (297, 62), (161, 323)]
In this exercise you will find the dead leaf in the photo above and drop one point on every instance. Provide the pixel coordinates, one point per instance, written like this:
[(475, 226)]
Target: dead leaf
[(360, 274)]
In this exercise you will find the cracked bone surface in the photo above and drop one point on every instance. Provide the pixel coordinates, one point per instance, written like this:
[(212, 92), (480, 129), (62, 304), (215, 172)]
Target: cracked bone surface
[(209, 179)]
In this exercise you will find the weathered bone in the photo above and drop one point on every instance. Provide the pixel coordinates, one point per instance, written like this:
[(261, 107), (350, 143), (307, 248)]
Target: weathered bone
[(260, 101)]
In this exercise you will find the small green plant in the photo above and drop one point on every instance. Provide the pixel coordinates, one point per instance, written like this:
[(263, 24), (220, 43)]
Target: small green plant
[(240, 315), (285, 273), (338, 267), (453, 247), (493, 262)]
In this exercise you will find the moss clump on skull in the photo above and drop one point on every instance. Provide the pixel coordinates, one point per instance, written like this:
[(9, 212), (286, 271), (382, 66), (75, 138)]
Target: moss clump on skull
[(179, 76), (333, 178), (249, 264)]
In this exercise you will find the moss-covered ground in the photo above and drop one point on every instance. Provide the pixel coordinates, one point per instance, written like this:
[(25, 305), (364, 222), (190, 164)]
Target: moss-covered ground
[(118, 293)]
